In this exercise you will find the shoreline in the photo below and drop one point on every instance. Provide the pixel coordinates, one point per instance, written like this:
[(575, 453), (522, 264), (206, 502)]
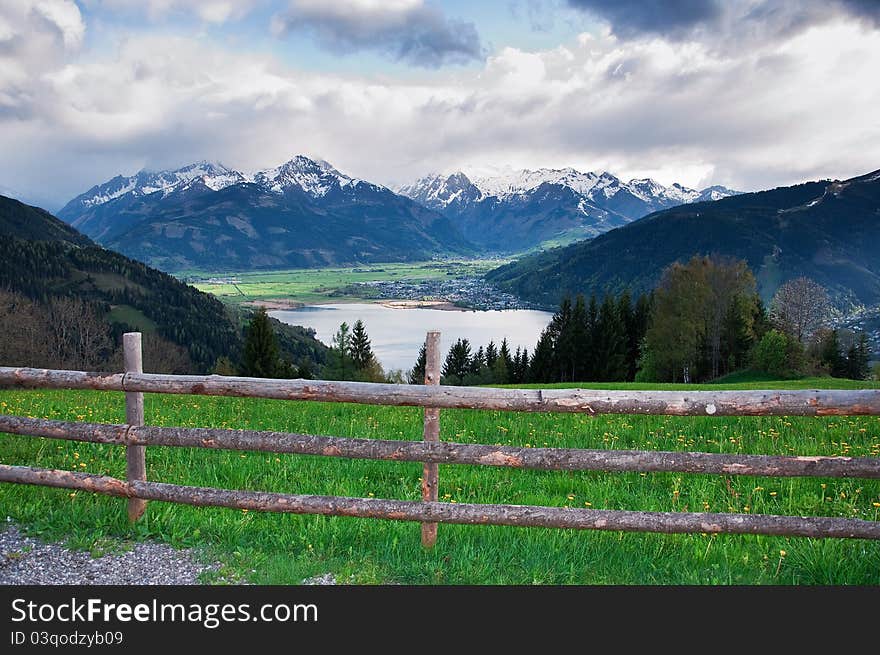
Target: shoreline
[(276, 304)]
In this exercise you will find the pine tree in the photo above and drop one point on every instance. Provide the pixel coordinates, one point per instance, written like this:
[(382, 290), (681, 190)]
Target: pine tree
[(503, 368), (858, 358), (491, 355), (830, 355), (260, 358), (341, 366), (361, 351), (541, 365), (610, 345), (520, 365), (458, 360), (417, 372), (478, 361)]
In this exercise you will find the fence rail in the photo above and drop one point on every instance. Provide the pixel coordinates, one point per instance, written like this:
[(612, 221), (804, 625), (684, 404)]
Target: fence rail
[(136, 436)]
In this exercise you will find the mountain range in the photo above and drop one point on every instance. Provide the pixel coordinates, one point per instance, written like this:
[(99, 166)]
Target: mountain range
[(513, 210), (826, 230), (306, 213)]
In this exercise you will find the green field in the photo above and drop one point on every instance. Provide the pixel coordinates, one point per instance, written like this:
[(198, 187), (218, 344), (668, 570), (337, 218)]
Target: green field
[(285, 549), (322, 285)]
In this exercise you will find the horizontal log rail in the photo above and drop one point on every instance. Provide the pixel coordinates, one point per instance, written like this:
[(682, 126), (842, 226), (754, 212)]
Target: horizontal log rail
[(136, 437), (804, 402), (462, 513), (447, 452)]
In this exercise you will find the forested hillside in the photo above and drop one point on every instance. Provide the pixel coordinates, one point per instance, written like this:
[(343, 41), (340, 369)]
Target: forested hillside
[(45, 266)]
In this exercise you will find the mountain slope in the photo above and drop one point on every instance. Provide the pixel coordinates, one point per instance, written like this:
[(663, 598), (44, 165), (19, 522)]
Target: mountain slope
[(303, 213), (825, 230), (41, 257), (34, 224), (511, 211)]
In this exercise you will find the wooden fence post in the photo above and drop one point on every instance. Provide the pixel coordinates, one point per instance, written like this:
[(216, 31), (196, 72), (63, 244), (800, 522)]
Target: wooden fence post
[(431, 433), (135, 456)]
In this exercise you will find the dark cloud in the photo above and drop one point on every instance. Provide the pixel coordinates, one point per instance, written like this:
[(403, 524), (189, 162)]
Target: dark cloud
[(868, 10), (764, 21), (663, 17), (418, 35)]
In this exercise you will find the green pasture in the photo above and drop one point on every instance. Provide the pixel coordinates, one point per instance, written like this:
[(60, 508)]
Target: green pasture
[(286, 549), (322, 285)]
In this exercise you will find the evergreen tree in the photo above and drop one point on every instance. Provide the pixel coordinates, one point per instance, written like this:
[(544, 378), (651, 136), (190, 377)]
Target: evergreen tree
[(520, 365), (541, 364), (576, 343), (559, 326), (260, 357), (360, 348), (610, 343), (341, 366), (858, 358), (830, 356), (478, 362), (417, 372), (491, 354), (503, 368), (458, 361), (590, 356)]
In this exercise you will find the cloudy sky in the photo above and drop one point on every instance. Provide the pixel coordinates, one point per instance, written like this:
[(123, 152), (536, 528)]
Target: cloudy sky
[(747, 93)]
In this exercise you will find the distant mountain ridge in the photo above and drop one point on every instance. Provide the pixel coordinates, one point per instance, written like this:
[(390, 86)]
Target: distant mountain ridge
[(303, 213), (513, 210), (826, 230)]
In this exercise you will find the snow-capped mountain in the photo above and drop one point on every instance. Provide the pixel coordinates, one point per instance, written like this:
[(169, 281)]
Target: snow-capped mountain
[(303, 213), (315, 177), (312, 176), (515, 209)]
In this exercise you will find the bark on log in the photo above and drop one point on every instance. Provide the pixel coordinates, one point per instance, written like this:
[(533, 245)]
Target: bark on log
[(431, 434), (806, 402), (445, 452), (135, 456), (469, 514)]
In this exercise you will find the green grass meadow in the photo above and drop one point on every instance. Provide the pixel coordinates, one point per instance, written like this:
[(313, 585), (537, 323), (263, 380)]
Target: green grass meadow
[(270, 548), (323, 285)]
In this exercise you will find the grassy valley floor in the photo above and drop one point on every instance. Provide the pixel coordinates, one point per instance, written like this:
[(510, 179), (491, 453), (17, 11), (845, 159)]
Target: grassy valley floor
[(286, 549), (324, 285)]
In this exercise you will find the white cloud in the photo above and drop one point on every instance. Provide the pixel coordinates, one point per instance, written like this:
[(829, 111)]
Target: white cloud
[(209, 11), (800, 108)]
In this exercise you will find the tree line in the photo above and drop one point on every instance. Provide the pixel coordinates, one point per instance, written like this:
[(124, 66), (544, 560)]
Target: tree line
[(704, 320)]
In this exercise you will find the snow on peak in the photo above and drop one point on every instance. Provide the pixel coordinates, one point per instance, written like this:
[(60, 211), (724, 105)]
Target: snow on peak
[(213, 175), (315, 177), (439, 190), (508, 182)]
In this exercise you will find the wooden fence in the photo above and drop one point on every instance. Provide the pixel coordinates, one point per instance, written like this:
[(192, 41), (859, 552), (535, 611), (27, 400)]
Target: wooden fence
[(135, 436)]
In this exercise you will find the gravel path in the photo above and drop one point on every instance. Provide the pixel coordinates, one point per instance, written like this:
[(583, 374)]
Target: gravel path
[(26, 560)]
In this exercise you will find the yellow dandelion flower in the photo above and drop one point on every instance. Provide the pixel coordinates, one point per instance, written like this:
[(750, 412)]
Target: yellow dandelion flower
[(782, 553), (570, 496)]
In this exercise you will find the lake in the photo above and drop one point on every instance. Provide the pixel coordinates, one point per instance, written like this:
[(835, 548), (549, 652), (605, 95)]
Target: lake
[(397, 334)]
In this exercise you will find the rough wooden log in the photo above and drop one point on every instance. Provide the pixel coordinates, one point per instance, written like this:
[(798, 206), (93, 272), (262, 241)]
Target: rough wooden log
[(100, 484), (42, 378), (135, 456), (469, 514), (431, 434), (445, 452), (806, 402)]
